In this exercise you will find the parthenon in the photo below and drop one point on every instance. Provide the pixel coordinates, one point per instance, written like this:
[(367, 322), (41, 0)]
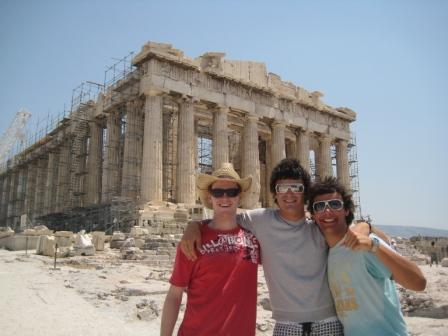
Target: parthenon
[(147, 133)]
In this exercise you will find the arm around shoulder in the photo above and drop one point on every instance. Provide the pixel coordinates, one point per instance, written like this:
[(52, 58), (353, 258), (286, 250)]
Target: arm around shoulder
[(171, 310), (191, 239)]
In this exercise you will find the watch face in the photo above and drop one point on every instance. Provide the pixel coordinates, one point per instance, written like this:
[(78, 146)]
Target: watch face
[(375, 244)]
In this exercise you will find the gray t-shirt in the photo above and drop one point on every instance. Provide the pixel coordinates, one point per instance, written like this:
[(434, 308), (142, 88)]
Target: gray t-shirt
[(294, 257)]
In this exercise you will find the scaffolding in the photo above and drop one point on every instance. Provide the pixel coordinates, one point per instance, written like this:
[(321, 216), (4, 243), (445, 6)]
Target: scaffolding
[(204, 148), (354, 175), (14, 134)]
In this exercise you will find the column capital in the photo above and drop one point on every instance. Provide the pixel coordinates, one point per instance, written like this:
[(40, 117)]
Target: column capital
[(278, 124), (341, 141), (323, 137), (303, 131), (252, 118), (185, 99), (222, 109), (152, 91)]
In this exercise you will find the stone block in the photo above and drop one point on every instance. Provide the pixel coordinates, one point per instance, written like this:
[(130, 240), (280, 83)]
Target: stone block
[(139, 242), (138, 231), (66, 234), (117, 235), (83, 251), (20, 242), (46, 246), (444, 262), (64, 241), (6, 231), (116, 244), (98, 239)]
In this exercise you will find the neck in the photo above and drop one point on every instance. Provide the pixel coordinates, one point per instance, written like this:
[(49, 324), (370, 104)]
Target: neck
[(223, 222), (292, 215), (334, 238)]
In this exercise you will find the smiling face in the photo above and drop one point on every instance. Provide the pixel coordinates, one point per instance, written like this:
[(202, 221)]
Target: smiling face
[(224, 205), (291, 204), (331, 222)]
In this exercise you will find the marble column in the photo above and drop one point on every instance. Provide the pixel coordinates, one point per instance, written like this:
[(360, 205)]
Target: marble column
[(220, 137), (2, 179), (21, 189), (324, 167), (269, 166), (278, 151), (342, 168), (62, 188), (41, 178), (30, 192), (112, 157), (5, 198), (12, 204), (185, 153), (51, 182), (251, 162), (151, 176), (132, 142), (94, 163), (303, 148)]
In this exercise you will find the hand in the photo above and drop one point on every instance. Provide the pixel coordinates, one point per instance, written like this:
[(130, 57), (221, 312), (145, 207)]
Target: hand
[(357, 241), (191, 240)]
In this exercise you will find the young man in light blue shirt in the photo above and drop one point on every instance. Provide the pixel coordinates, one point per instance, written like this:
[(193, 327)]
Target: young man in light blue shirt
[(362, 280)]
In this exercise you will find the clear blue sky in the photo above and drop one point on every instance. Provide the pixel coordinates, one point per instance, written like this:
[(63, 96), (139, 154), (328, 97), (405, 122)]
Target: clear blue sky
[(385, 59)]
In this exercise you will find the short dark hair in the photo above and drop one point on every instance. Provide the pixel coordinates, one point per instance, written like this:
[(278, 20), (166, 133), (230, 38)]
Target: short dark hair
[(330, 185), (290, 169)]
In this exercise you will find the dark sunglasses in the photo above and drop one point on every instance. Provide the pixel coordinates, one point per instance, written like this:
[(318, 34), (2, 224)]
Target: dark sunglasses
[(231, 192), (333, 204)]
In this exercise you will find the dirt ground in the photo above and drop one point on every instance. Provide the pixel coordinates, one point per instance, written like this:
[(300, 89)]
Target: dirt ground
[(103, 295)]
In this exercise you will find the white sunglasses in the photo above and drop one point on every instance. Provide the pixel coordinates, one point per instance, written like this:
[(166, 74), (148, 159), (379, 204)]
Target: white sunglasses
[(282, 188), (333, 204)]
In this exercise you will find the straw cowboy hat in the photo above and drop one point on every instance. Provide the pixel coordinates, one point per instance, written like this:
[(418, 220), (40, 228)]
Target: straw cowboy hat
[(226, 172)]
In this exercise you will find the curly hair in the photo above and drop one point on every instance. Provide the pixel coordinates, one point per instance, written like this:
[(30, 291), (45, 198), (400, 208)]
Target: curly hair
[(290, 169), (328, 186)]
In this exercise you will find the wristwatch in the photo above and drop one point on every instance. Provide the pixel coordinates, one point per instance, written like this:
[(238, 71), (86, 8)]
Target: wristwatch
[(375, 244)]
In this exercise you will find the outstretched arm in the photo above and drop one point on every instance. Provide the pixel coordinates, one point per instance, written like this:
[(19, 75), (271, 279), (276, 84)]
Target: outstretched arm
[(171, 310), (191, 240), (404, 271)]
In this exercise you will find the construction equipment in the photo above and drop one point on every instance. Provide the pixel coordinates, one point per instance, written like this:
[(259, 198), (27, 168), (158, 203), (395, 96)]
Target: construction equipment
[(15, 132)]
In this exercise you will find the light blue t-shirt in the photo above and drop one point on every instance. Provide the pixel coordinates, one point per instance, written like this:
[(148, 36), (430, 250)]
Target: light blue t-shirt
[(366, 298)]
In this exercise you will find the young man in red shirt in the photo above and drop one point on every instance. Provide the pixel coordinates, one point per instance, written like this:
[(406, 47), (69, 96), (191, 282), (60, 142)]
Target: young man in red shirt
[(221, 284)]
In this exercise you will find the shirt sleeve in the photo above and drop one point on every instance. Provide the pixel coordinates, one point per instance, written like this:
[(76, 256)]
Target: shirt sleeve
[(182, 270)]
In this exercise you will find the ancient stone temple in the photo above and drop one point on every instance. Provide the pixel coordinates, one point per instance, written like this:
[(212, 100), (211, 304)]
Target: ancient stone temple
[(147, 133)]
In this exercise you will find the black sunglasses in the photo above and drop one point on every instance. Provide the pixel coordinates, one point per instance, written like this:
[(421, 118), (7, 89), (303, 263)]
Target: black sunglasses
[(231, 192)]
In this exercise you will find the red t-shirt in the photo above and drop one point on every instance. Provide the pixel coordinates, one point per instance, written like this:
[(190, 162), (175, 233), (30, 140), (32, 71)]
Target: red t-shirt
[(221, 284)]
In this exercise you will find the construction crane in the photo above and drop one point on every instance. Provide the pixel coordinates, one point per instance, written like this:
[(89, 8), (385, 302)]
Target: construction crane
[(15, 132)]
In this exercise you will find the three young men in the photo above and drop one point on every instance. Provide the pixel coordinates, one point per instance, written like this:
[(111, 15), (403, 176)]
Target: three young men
[(361, 279), (221, 283), (294, 256)]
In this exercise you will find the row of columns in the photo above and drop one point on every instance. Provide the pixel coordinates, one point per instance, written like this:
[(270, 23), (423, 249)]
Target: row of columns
[(134, 167)]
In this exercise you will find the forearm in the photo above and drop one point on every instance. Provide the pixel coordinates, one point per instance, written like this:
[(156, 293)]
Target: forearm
[(191, 239), (381, 234), (404, 271), (170, 313)]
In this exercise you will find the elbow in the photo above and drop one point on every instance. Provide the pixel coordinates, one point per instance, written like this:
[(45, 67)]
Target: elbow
[(419, 284)]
